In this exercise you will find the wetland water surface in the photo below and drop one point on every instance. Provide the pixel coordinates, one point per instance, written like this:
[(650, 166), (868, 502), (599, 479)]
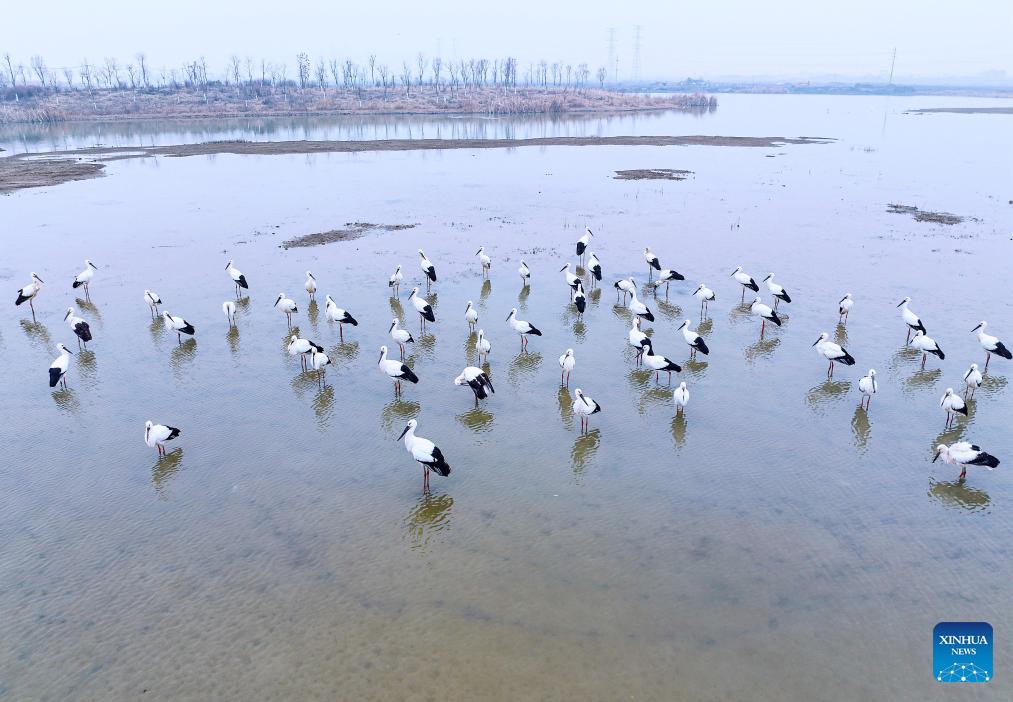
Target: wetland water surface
[(775, 543)]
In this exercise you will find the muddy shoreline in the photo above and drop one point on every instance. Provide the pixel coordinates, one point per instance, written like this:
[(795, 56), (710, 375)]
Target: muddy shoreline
[(41, 169)]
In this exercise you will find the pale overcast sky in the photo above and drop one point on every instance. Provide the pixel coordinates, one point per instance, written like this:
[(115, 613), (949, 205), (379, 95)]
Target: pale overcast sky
[(709, 38)]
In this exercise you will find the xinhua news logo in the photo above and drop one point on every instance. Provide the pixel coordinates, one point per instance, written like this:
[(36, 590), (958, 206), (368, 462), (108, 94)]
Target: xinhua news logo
[(962, 652)]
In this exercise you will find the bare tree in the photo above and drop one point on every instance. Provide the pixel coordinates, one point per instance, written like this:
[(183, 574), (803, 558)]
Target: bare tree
[(39, 68), (437, 64), (68, 76), (142, 64), (372, 69), (131, 72), (383, 71), (421, 62), (112, 73), (303, 66), (406, 78), (234, 71), (321, 75), (335, 72), (602, 74), (10, 69)]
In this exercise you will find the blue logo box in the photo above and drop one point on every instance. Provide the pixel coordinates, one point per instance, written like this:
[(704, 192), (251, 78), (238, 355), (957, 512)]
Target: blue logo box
[(962, 652)]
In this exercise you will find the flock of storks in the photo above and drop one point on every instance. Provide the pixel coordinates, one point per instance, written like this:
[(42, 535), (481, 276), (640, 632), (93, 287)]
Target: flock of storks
[(425, 452)]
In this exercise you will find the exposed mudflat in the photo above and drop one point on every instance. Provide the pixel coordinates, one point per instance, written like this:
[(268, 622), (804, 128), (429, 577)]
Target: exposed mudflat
[(652, 174), (352, 230), (26, 171), (964, 110), (924, 216), (17, 174)]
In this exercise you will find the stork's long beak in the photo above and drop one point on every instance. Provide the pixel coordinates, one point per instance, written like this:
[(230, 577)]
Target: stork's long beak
[(68, 350), (92, 265), (313, 276), (478, 252), (391, 327), (380, 357), (766, 279), (277, 301), (40, 279), (402, 433), (816, 342), (584, 399), (901, 303), (842, 299), (733, 272), (509, 315), (227, 265), (562, 269), (681, 325), (66, 315), (936, 458), (976, 328)]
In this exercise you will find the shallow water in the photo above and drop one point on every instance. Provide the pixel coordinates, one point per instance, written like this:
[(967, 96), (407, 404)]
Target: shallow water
[(775, 543)]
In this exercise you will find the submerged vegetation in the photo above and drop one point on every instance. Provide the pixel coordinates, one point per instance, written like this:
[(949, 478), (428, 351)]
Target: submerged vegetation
[(39, 94)]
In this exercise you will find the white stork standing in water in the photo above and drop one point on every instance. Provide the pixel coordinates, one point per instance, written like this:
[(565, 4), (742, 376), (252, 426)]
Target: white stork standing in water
[(470, 316), (482, 346), (423, 308), (572, 281), (579, 298), (484, 260), (303, 348), (522, 327), (583, 241), (28, 293), (746, 281), (338, 315), (665, 277), (84, 278), (394, 282), (910, 319), (972, 380), (319, 362), (776, 290), (178, 325), (477, 380), (926, 345), (991, 344), (79, 327), (152, 300), (705, 295), (229, 308), (695, 341), (765, 313), (425, 452), (58, 369), (964, 454), (237, 278), (584, 407), (639, 308), (396, 371), (400, 336), (638, 339), (287, 306), (658, 363), (680, 396), (835, 353), (566, 363), (311, 285), (953, 405), (525, 273), (428, 269), (155, 436), (653, 264), (594, 265), (868, 387), (625, 286), (844, 308)]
